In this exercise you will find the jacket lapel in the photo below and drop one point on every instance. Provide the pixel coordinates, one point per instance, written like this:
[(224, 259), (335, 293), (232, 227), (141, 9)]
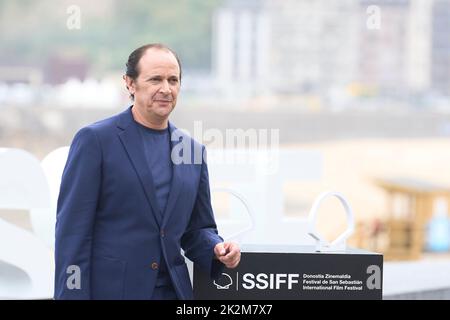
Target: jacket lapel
[(132, 142), (177, 181)]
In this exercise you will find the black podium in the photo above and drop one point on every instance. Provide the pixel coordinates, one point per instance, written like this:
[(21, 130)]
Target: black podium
[(295, 273)]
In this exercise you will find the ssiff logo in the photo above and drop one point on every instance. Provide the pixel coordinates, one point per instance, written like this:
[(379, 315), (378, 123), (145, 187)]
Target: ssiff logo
[(225, 282)]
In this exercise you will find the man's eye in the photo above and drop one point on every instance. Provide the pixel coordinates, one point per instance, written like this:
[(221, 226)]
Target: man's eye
[(173, 80)]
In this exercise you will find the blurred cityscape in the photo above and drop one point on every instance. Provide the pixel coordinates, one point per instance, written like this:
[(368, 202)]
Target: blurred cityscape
[(382, 56), (366, 83)]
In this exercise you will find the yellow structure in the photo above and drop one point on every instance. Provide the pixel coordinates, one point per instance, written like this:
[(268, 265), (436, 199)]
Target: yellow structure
[(410, 207)]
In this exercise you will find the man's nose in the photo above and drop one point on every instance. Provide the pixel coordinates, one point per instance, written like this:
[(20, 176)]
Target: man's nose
[(165, 88)]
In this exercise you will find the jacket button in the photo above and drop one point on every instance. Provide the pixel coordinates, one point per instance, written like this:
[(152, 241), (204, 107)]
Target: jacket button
[(154, 266), (162, 233)]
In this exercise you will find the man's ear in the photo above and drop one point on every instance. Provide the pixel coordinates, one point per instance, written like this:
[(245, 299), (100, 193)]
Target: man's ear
[(129, 83)]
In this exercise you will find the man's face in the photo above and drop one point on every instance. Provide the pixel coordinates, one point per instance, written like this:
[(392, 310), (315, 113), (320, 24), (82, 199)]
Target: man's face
[(156, 88)]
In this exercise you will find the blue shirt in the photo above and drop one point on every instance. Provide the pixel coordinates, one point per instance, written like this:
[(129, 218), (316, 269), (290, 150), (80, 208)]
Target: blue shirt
[(157, 152), (157, 148)]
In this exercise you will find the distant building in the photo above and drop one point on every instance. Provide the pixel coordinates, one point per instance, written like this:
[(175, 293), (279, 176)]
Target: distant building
[(418, 45), (302, 46), (313, 44), (383, 52), (62, 67), (286, 46), (440, 73), (11, 74), (241, 46)]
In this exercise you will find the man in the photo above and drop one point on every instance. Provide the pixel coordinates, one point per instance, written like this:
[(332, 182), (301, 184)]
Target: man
[(127, 205)]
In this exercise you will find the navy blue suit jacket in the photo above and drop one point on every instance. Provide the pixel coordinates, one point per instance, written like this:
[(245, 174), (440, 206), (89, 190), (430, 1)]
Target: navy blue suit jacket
[(109, 224)]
